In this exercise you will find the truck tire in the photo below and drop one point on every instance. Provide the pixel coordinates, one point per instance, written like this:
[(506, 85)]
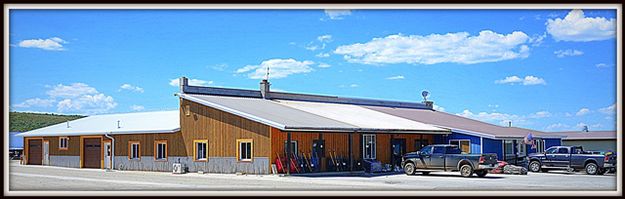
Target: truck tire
[(481, 173), (534, 166), (591, 168), (409, 168), (466, 170)]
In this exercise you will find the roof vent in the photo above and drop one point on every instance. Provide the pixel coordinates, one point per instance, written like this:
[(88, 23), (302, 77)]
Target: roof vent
[(264, 88), (585, 128), (118, 124), (184, 81), (68, 124)]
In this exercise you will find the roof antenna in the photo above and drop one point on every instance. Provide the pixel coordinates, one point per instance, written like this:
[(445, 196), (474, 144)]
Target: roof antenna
[(267, 74)]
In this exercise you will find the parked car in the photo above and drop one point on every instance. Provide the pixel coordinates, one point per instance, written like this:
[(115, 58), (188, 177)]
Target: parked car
[(571, 158), (448, 157)]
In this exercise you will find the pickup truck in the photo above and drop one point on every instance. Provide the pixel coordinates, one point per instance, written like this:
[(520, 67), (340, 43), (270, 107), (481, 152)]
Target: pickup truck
[(448, 157), (571, 158)]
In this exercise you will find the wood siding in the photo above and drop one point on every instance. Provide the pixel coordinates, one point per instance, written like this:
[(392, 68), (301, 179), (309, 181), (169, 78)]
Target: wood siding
[(175, 143), (222, 130), (339, 143)]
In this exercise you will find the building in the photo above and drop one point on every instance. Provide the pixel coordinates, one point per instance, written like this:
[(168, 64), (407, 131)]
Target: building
[(16, 147), (247, 130), (478, 137), (590, 140), (224, 130), (232, 130), (130, 141)]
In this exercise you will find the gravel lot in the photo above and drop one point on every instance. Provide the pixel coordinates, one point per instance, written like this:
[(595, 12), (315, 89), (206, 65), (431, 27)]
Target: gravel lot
[(33, 178)]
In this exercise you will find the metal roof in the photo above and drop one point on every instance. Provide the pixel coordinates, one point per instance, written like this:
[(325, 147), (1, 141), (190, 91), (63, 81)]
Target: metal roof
[(361, 117), (283, 116), (233, 92), (129, 123), (461, 124), (590, 135)]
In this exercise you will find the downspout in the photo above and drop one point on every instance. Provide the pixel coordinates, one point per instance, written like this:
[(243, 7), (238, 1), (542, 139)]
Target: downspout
[(112, 150)]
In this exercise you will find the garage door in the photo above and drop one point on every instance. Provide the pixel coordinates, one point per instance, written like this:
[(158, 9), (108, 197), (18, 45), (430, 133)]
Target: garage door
[(34, 152), (92, 153)]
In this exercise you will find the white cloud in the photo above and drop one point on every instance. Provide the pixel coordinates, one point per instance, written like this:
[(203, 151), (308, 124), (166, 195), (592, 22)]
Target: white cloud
[(568, 114), (582, 111), (323, 65), (567, 53), (557, 126), (323, 55), (131, 88), (219, 67), (537, 40), (608, 110), (540, 114), (35, 102), (349, 86), (325, 38), (192, 82), (54, 43), (98, 103), (337, 14), (602, 65), (71, 91), (395, 77), (137, 107), (500, 118), (73, 98), (278, 68), (458, 47), (439, 108), (577, 27), (528, 80)]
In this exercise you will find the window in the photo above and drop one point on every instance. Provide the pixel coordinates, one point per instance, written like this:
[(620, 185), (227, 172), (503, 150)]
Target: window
[(368, 148), (200, 150), (540, 145), (160, 150), (420, 143), (464, 145), (453, 150), (521, 148), (63, 143), (427, 150), (563, 150), (134, 150), (438, 150), (244, 150), (551, 150), (293, 147)]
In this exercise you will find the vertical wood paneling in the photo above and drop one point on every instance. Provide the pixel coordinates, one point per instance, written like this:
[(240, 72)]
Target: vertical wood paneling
[(175, 143), (222, 129)]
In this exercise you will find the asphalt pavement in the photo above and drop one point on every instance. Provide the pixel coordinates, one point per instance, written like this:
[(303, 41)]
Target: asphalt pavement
[(47, 178)]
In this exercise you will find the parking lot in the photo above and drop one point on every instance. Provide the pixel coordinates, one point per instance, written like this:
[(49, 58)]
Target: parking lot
[(37, 178)]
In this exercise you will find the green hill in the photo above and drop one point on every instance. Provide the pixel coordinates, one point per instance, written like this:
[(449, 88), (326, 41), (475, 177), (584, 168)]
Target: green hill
[(21, 121)]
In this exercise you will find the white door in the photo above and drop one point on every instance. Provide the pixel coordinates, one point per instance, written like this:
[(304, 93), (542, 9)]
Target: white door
[(107, 155), (46, 154)]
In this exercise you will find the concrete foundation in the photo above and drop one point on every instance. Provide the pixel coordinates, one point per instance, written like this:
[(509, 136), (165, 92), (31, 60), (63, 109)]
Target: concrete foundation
[(65, 161), (260, 165)]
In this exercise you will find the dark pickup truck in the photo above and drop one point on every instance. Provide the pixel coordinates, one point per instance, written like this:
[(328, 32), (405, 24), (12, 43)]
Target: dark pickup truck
[(448, 158), (571, 158)]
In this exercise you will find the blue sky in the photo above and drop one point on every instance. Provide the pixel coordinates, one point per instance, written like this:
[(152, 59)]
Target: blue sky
[(549, 70)]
